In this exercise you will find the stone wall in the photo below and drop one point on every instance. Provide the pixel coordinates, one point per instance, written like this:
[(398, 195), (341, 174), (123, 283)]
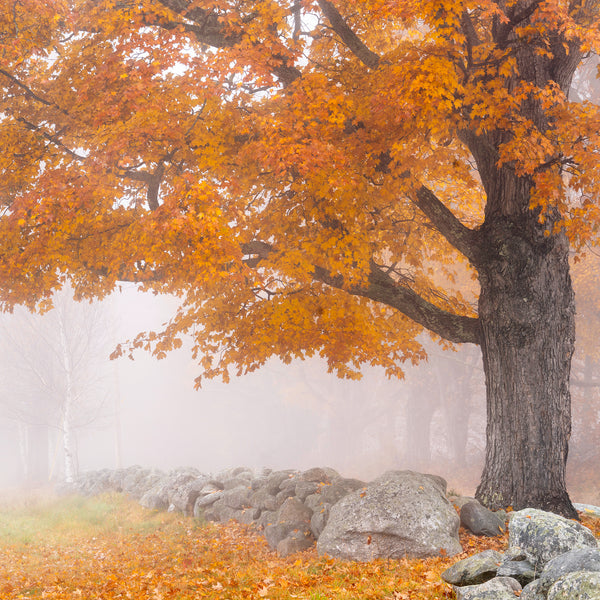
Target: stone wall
[(290, 507)]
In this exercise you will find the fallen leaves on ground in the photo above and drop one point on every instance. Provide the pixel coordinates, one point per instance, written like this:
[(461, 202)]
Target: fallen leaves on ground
[(139, 554)]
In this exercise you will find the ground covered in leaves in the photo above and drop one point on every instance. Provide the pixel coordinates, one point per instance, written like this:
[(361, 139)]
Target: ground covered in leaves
[(110, 547)]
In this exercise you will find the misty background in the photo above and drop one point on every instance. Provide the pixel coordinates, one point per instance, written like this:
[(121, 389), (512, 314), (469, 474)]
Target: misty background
[(66, 408)]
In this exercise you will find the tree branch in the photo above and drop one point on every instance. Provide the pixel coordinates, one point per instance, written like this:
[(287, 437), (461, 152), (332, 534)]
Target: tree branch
[(25, 88), (382, 288), (152, 180), (465, 240), (209, 29), (256, 251), (350, 39), (52, 138), (502, 30)]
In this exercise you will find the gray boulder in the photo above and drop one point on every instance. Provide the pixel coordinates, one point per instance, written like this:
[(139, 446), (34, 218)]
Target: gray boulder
[(276, 532), (274, 481), (349, 484), (399, 514), (289, 484), (474, 570), (334, 492), (315, 502), (542, 536), (316, 475), (155, 499), (210, 487), (291, 521), (231, 478), (266, 518), (137, 482), (500, 588), (294, 511), (284, 494), (521, 570), (222, 512), (532, 591), (460, 501), (204, 502), (294, 543), (263, 500), (168, 491), (237, 497), (183, 497), (303, 489), (235, 482), (248, 516), (582, 559), (552, 557), (480, 520), (588, 509), (579, 585), (318, 521), (208, 499)]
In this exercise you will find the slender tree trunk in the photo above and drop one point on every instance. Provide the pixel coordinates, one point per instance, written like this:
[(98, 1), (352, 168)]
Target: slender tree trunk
[(67, 408), (421, 407), (68, 440), (527, 313)]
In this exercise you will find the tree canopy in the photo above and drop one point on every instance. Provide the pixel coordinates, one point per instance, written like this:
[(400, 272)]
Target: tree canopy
[(303, 173)]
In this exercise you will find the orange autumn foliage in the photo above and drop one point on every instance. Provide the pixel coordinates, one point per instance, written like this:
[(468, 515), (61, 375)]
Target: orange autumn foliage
[(252, 158)]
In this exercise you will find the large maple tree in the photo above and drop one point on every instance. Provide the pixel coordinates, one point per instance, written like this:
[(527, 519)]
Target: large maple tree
[(317, 177)]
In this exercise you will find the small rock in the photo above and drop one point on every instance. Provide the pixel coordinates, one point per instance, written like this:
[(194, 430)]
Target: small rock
[(521, 570), (480, 520), (532, 591), (473, 570), (500, 588), (295, 542)]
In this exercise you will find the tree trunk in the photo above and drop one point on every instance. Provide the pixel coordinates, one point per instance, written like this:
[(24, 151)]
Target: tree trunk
[(67, 407), (527, 313), (419, 414)]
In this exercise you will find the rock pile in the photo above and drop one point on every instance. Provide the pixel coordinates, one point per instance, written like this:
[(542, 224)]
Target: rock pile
[(548, 558), (401, 513)]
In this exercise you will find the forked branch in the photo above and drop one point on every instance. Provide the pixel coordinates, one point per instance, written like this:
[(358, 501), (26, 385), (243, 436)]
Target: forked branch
[(350, 39), (465, 240), (381, 287)]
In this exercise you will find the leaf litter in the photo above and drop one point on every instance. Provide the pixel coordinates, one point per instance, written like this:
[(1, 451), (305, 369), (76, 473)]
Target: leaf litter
[(134, 553)]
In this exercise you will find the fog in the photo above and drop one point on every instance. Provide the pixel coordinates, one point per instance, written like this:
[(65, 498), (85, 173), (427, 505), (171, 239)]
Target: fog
[(146, 411)]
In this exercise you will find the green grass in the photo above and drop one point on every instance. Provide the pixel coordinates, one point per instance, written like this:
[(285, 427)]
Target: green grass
[(57, 519)]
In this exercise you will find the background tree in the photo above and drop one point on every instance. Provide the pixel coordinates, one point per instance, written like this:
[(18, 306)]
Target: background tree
[(585, 376), (309, 177), (54, 380)]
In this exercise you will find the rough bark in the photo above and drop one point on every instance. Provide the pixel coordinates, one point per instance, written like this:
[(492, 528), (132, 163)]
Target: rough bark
[(527, 313)]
